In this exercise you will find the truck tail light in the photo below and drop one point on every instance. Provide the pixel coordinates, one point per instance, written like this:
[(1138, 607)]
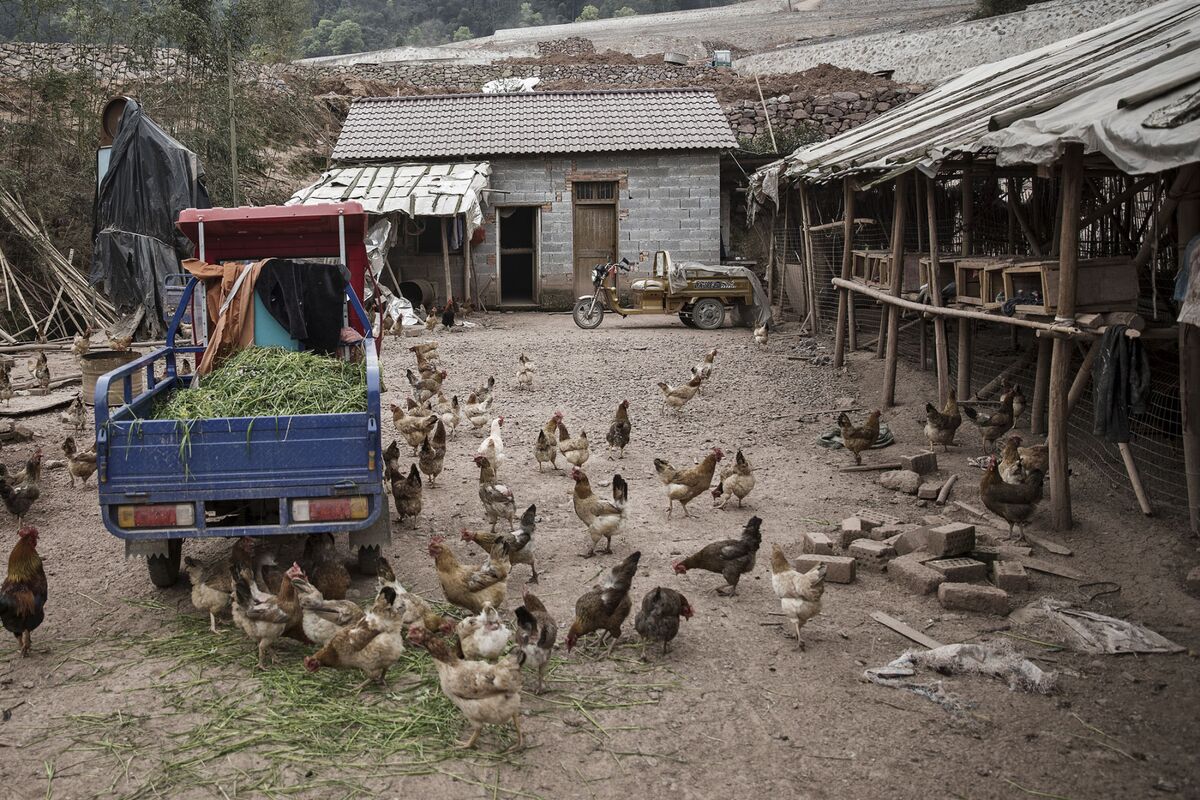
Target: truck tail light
[(182, 515), (330, 509)]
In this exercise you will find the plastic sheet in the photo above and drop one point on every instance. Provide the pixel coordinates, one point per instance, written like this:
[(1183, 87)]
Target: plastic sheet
[(150, 179)]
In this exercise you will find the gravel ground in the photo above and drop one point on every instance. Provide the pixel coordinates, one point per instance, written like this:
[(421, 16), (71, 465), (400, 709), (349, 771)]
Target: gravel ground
[(735, 710)]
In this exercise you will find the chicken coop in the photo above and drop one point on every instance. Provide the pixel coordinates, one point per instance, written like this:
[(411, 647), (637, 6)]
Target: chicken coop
[(1052, 204)]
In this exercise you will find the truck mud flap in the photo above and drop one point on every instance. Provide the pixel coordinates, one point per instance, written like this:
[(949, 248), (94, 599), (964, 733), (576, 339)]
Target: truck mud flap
[(379, 533), (146, 548)]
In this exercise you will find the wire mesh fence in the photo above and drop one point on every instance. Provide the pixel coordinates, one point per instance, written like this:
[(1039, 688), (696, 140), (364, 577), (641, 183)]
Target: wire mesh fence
[(1156, 444)]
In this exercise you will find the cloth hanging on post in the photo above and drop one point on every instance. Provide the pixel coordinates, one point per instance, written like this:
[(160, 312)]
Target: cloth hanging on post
[(307, 299), (1122, 384)]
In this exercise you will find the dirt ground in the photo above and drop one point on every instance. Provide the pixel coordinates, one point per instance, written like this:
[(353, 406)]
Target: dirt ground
[(734, 711)]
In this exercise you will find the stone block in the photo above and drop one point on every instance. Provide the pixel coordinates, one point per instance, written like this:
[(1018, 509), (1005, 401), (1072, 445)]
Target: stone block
[(988, 554), (1010, 576), (979, 598), (962, 570), (922, 463), (885, 532), (930, 491), (910, 541), (913, 575), (839, 569), (853, 528), (871, 554), (901, 480), (954, 539), (816, 543)]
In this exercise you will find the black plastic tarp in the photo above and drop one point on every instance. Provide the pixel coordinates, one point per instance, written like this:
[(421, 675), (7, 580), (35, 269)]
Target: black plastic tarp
[(150, 179)]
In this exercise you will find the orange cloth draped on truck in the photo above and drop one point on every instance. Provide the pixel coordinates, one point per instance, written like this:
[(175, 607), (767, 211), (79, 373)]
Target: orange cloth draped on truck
[(230, 318)]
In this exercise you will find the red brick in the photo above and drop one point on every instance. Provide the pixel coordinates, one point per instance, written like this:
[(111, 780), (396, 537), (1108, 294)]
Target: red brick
[(913, 575), (871, 554), (976, 597), (839, 569), (1010, 576), (955, 539), (816, 542), (963, 570), (922, 463)]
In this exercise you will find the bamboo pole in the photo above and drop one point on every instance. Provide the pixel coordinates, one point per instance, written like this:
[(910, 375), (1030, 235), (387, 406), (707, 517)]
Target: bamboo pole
[(810, 261), (941, 352), (1068, 262), (966, 329), (893, 349), (1041, 387), (843, 316), (466, 248), (446, 261)]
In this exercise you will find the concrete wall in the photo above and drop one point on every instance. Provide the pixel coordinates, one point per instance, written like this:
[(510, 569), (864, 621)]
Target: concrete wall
[(668, 201)]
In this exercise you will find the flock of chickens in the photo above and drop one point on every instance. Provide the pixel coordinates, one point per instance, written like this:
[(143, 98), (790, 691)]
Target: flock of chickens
[(1012, 484)]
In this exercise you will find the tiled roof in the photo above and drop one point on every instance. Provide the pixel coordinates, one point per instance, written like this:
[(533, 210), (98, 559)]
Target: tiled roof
[(461, 125)]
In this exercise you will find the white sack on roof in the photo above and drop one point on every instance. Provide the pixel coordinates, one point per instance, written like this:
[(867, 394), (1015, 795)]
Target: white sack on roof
[(418, 190), (510, 85)]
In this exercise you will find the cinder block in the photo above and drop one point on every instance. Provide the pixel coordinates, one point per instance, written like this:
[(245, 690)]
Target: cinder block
[(885, 532), (854, 528), (922, 463), (1010, 576), (913, 575), (816, 543), (910, 541), (963, 570), (980, 598), (955, 539), (929, 491), (839, 569), (988, 554), (871, 554)]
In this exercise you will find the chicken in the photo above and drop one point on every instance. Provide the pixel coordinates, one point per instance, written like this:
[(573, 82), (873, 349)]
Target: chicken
[(996, 424), (211, 589), (372, 644), (857, 439), (6, 390), (605, 606), (685, 485), (574, 449), (476, 411), (618, 431), (323, 618), (1015, 503), (485, 693), (324, 567), (448, 314), (536, 634), (658, 618), (676, 397), (483, 636), (432, 458), (484, 393), (425, 388), (940, 426), (545, 450), (703, 370), (79, 465), (391, 461), (1018, 402), (430, 322), (35, 363), (76, 415), (737, 480), (604, 518), (731, 558), (120, 343), (799, 593), (1035, 457), (42, 374), (406, 494), (20, 496), (1010, 467), (82, 343), (449, 414), (264, 617), (412, 608), (518, 544), (186, 368), (525, 372), (413, 427), (492, 448), (497, 499), (470, 587), (760, 335), (24, 592)]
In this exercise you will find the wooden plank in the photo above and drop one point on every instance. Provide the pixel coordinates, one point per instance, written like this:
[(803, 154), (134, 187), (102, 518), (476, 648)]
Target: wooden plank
[(907, 631), (871, 467), (1047, 544), (1040, 565)]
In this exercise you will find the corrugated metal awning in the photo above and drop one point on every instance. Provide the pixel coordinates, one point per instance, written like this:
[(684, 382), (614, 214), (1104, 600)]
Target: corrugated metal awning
[(418, 190)]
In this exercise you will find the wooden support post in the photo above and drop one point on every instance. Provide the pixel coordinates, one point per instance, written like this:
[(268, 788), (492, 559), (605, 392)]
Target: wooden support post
[(923, 345), (965, 345), (941, 353), (843, 312), (1041, 387), (1083, 377), (446, 261), (968, 211), (1068, 262), (810, 258), (881, 340), (893, 315), (1188, 225), (851, 324), (466, 248), (966, 328)]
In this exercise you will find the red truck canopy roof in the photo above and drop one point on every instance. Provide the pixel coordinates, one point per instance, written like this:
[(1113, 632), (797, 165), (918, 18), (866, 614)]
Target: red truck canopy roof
[(274, 231)]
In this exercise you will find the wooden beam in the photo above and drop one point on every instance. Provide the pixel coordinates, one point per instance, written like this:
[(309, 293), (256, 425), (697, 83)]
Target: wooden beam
[(839, 342), (965, 356), (446, 261), (1083, 376), (1068, 262), (810, 260), (941, 352), (966, 328), (467, 263), (1041, 387), (893, 340), (840, 223), (1014, 206)]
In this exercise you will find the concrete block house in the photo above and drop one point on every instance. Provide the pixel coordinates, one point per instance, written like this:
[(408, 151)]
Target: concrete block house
[(575, 178)]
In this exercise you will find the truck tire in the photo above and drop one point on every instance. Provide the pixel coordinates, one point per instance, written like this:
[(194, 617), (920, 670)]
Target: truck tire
[(686, 318), (164, 570), (585, 320), (368, 559), (708, 313)]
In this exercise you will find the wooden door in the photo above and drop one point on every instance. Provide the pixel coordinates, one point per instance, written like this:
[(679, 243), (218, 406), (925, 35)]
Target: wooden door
[(594, 229)]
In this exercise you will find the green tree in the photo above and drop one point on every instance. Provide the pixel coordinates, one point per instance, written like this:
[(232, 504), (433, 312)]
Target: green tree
[(588, 13), (462, 34), (347, 37), (624, 11), (527, 17)]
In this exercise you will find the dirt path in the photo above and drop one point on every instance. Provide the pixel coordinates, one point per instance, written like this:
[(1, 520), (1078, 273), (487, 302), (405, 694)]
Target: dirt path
[(127, 695)]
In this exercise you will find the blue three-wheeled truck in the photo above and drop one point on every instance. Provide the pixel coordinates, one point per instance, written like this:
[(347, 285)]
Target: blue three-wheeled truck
[(162, 481)]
